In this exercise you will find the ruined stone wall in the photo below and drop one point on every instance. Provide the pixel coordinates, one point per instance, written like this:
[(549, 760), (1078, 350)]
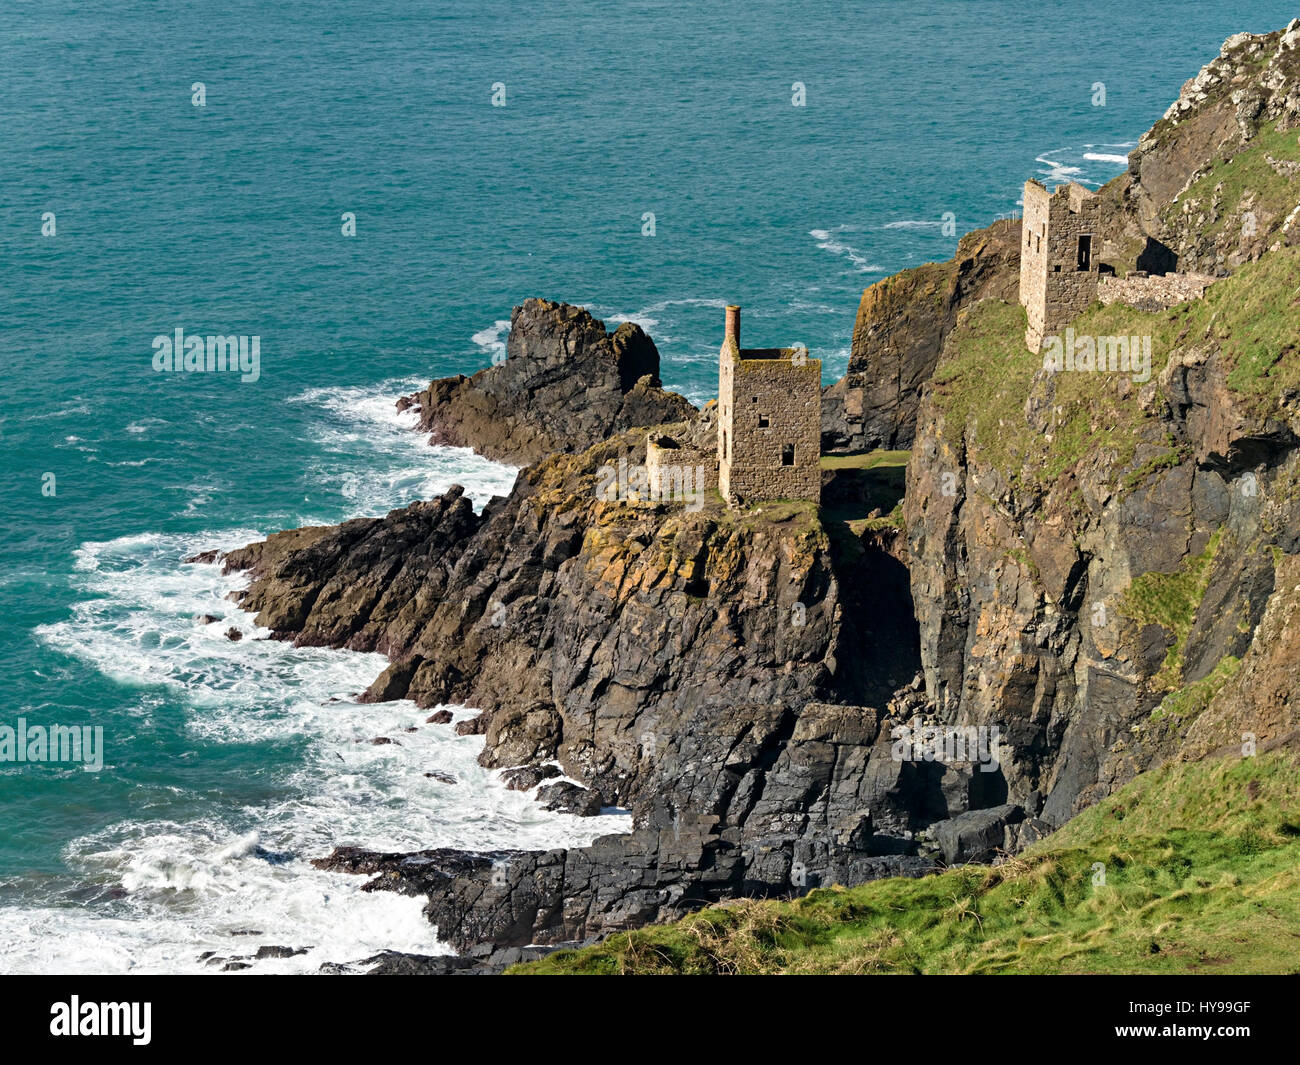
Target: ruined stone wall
[(672, 465), (1052, 287), (1033, 260), (727, 359), (1153, 293), (767, 403)]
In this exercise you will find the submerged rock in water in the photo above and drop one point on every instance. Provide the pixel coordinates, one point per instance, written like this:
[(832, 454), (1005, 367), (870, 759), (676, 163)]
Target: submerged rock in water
[(568, 798), (527, 777)]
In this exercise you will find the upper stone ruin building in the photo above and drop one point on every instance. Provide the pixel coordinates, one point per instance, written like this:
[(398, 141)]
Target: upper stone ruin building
[(1061, 272), (1059, 267)]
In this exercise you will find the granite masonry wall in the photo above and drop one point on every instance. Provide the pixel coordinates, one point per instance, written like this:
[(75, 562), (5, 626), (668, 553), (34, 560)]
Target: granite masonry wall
[(675, 469), (1058, 272), (1153, 293), (769, 424)]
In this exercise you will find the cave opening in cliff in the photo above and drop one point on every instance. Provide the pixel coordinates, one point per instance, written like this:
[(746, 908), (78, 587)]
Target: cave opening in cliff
[(862, 498)]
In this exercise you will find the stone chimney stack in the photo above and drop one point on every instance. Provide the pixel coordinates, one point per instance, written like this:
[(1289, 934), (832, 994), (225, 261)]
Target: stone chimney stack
[(733, 325)]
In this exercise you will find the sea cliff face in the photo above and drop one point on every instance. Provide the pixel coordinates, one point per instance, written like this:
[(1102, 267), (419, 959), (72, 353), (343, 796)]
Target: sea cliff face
[(1083, 547), (677, 662), (577, 625), (900, 329), (1091, 554), (716, 671), (1096, 566)]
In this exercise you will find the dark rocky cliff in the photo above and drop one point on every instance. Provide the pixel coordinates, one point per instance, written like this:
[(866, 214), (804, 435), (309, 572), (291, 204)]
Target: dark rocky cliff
[(1101, 567), (566, 383), (1084, 548), (677, 662), (1091, 555), (900, 329), (708, 668)]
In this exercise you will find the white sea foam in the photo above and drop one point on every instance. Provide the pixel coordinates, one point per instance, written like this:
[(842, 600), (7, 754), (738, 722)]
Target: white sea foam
[(143, 425), (493, 339), (74, 406), (199, 494), (913, 223), (375, 461), (1056, 171), (78, 444), (827, 240), (1086, 166), (230, 880)]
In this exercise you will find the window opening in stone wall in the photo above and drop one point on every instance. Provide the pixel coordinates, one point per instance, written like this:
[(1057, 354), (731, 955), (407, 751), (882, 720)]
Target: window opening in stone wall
[(787, 455)]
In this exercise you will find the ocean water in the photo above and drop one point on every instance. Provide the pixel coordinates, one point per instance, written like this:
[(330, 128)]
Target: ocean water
[(228, 766)]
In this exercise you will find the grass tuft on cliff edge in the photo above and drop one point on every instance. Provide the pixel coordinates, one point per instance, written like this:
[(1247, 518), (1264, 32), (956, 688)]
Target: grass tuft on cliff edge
[(1201, 865)]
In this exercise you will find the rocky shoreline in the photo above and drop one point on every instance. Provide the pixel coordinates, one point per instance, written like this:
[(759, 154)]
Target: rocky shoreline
[(678, 663), (739, 679)]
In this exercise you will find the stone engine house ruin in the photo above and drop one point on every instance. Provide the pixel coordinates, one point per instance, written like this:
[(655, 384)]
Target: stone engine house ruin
[(769, 421), (1061, 272), (1059, 257)]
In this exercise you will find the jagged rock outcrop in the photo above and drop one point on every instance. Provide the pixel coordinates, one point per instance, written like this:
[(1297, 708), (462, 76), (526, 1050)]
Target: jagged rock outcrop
[(484, 960), (1187, 202), (588, 629), (670, 659), (519, 898), (776, 803), (565, 384), (901, 325)]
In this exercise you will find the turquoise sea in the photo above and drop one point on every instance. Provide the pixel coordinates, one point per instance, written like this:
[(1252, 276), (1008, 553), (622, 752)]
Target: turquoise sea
[(227, 765)]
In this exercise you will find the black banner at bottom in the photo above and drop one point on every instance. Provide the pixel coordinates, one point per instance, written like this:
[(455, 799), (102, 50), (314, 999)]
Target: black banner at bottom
[(142, 1013)]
